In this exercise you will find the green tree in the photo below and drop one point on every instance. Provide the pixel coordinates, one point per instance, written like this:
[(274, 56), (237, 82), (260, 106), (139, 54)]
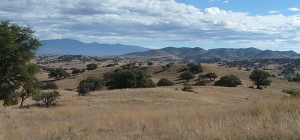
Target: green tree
[(47, 97), (195, 69), (17, 49), (91, 66), (150, 64), (229, 81), (128, 78), (59, 74), (75, 71), (164, 82), (260, 78), (187, 76), (211, 76), (89, 84)]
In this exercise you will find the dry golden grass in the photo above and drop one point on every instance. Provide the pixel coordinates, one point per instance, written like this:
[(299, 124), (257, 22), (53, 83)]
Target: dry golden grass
[(160, 113)]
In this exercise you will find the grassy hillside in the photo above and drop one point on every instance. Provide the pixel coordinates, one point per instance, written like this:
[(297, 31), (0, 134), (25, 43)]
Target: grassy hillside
[(159, 113)]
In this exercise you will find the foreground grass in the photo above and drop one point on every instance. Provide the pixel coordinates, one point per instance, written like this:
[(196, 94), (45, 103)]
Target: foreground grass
[(133, 115)]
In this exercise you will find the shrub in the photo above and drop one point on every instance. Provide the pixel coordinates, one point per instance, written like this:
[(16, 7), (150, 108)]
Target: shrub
[(49, 86), (211, 76), (91, 66), (75, 71), (59, 73), (292, 92), (127, 78), (200, 83), (195, 69), (187, 87), (89, 84), (47, 97), (296, 79), (150, 64), (164, 82), (228, 81), (187, 76)]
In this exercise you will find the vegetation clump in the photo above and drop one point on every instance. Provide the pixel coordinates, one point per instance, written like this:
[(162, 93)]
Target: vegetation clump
[(49, 86), (89, 84), (292, 92), (91, 66), (228, 81), (187, 76), (165, 82), (195, 68), (187, 87), (47, 97), (260, 78), (128, 78), (58, 73)]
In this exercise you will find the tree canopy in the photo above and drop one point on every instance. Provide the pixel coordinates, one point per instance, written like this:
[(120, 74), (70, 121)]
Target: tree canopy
[(17, 49), (260, 78)]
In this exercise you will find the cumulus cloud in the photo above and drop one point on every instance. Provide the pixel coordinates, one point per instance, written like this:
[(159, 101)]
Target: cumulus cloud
[(168, 20)]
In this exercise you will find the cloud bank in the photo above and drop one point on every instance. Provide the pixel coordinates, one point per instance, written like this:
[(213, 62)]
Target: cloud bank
[(116, 21)]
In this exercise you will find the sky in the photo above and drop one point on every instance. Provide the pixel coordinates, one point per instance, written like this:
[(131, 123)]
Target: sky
[(263, 24)]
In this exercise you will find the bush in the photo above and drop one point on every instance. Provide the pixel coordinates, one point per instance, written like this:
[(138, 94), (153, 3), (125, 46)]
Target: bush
[(195, 69), (200, 83), (47, 97), (75, 71), (88, 85), (91, 66), (164, 82), (49, 86), (211, 76), (296, 79), (187, 76), (228, 81), (292, 92), (59, 73), (187, 87), (127, 78)]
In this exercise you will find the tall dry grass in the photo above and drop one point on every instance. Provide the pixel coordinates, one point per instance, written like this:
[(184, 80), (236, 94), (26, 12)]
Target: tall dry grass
[(90, 118)]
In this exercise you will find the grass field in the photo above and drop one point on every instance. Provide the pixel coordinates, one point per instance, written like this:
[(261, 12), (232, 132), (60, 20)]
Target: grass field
[(159, 113)]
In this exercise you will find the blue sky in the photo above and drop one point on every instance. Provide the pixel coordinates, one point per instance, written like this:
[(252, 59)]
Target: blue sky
[(264, 24)]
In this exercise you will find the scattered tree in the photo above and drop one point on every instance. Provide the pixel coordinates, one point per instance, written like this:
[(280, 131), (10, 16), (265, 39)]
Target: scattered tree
[(49, 86), (75, 71), (89, 84), (211, 76), (187, 87), (164, 82), (47, 97), (17, 47), (91, 66), (228, 81), (150, 64), (187, 76), (127, 78), (59, 74), (195, 69), (260, 78)]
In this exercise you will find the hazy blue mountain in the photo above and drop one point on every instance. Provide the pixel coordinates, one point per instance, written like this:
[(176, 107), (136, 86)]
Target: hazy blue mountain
[(222, 53), (75, 47)]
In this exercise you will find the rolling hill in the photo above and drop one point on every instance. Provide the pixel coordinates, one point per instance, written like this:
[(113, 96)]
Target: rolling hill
[(221, 53), (75, 47)]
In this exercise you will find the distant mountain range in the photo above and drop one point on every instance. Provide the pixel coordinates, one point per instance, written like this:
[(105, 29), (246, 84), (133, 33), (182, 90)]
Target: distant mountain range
[(75, 47), (222, 53)]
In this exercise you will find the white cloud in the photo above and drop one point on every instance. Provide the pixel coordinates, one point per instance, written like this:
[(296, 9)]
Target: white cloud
[(226, 1), (117, 21), (294, 9), (274, 12)]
